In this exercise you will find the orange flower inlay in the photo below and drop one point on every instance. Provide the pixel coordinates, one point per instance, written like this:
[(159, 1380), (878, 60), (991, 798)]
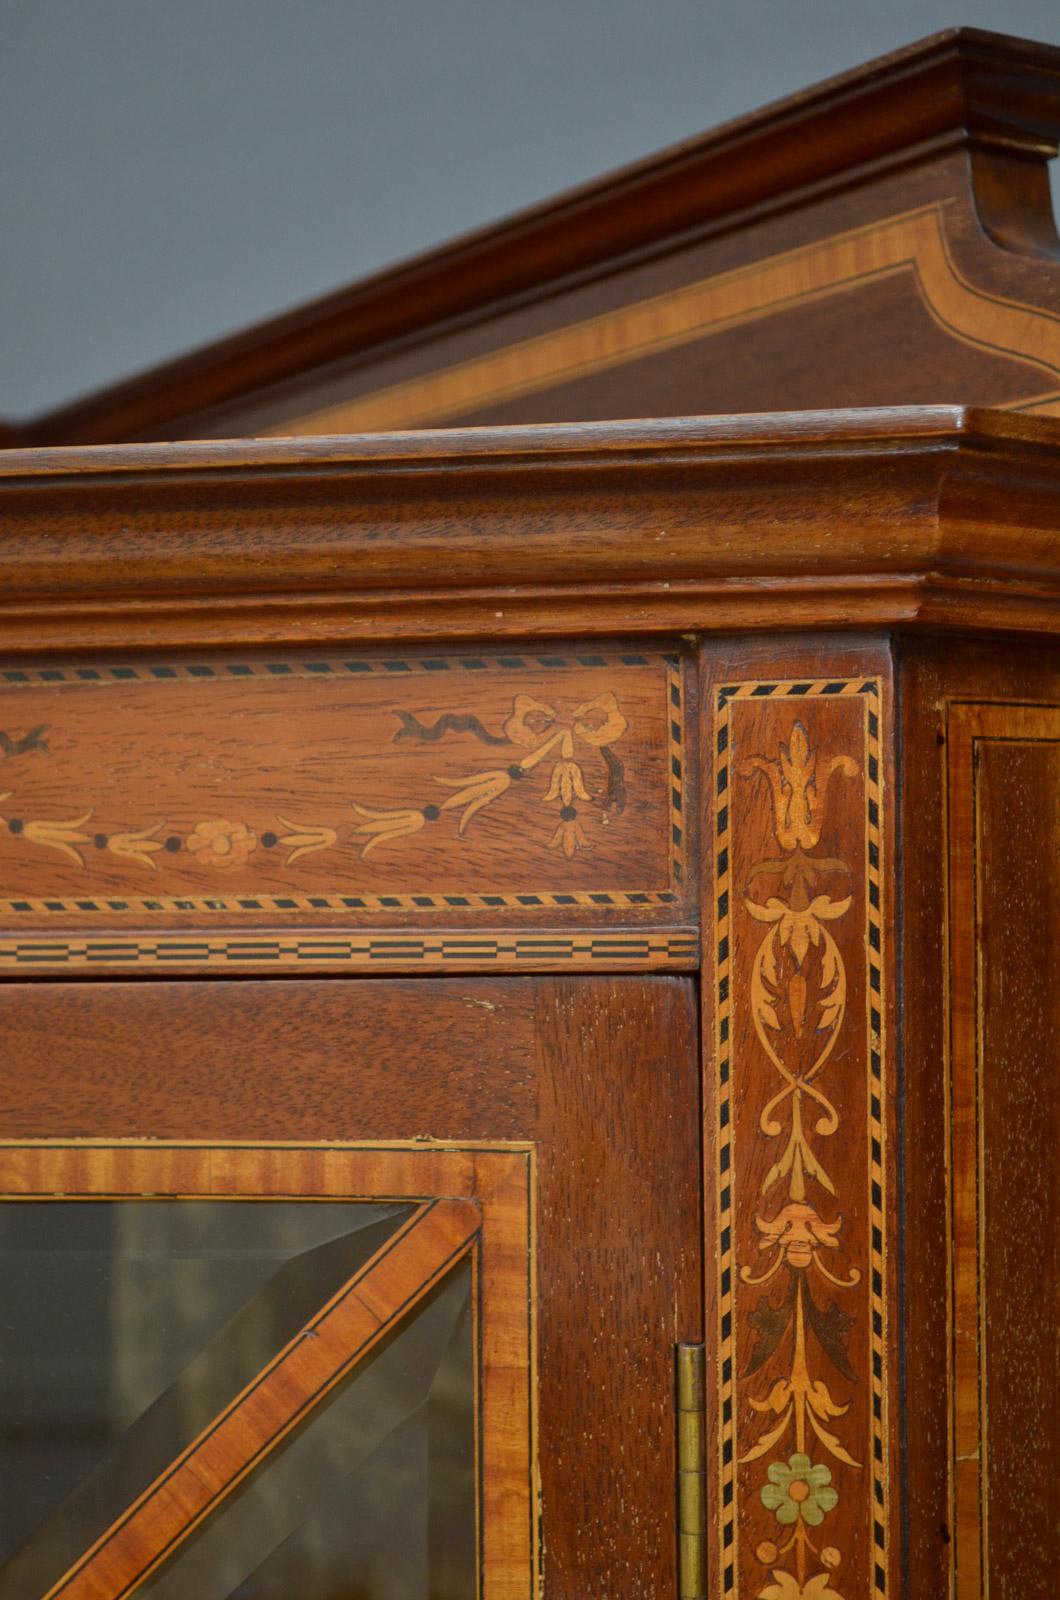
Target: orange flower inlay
[(220, 843)]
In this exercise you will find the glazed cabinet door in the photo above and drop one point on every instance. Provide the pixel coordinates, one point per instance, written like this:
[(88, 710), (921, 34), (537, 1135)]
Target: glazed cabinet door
[(367, 1288)]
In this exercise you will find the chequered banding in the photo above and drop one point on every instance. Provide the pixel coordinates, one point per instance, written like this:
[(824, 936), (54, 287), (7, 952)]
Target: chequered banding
[(670, 948), (340, 902), (621, 899), (869, 691), (727, 1549), (877, 1137), (675, 712), (357, 667), (799, 688)]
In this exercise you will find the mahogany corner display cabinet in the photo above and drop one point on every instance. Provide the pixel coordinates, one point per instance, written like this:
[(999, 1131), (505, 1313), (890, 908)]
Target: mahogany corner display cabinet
[(528, 953), (531, 1011)]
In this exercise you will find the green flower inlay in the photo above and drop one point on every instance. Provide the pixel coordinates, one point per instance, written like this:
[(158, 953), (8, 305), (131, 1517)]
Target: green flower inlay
[(799, 1490)]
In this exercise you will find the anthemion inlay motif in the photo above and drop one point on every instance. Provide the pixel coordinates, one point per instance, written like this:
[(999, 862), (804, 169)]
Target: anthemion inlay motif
[(802, 1392)]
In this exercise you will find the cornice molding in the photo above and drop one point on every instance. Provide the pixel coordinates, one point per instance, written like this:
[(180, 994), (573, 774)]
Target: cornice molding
[(931, 516)]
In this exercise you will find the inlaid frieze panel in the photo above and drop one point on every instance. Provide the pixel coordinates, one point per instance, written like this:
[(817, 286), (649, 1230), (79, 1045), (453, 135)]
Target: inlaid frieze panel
[(364, 786), (800, 1142)]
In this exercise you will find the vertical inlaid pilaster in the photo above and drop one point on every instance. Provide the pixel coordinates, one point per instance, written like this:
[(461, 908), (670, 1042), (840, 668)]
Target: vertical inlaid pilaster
[(799, 1157)]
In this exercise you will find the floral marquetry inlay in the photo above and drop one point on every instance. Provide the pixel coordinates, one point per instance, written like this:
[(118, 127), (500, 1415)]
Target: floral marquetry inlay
[(801, 1147), (342, 785)]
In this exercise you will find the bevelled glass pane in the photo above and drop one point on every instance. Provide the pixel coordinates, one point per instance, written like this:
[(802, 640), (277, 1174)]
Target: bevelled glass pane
[(128, 1326), (373, 1498)]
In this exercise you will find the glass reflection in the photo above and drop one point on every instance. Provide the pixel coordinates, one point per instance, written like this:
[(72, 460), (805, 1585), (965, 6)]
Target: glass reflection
[(128, 1325), (372, 1498)]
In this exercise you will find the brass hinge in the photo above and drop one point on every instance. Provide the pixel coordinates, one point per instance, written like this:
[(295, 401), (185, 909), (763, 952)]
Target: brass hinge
[(691, 1473)]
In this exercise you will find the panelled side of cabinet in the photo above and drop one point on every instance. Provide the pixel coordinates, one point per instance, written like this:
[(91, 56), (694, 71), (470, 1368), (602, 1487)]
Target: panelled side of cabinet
[(799, 964), (981, 811)]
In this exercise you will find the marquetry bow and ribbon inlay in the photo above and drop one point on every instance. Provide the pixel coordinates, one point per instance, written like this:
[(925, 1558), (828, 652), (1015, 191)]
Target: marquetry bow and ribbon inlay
[(802, 1399), (368, 785)]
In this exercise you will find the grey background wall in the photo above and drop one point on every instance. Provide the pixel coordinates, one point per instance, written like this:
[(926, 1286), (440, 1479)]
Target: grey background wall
[(171, 170)]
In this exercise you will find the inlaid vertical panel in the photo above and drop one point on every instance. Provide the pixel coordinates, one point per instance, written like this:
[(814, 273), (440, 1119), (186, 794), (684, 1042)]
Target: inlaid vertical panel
[(798, 1145)]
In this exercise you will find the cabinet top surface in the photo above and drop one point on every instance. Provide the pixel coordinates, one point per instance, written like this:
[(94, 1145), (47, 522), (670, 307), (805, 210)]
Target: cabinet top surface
[(898, 428)]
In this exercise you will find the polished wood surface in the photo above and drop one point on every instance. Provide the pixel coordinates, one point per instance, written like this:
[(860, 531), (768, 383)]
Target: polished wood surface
[(598, 1074), (325, 806), (364, 785), (1004, 836), (799, 1191), (899, 274), (266, 1061), (799, 1129), (980, 730), (621, 1255), (934, 517), (884, 238)]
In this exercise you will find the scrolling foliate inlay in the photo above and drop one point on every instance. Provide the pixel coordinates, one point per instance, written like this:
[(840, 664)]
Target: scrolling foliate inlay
[(352, 786), (802, 1253)]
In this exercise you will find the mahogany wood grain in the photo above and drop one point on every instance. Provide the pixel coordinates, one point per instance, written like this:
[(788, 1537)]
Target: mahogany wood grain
[(712, 347), (620, 1275), (662, 349), (257, 1060), (600, 540), (932, 516), (364, 788), (979, 826), (601, 1074), (801, 1163), (963, 121), (1011, 1298)]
